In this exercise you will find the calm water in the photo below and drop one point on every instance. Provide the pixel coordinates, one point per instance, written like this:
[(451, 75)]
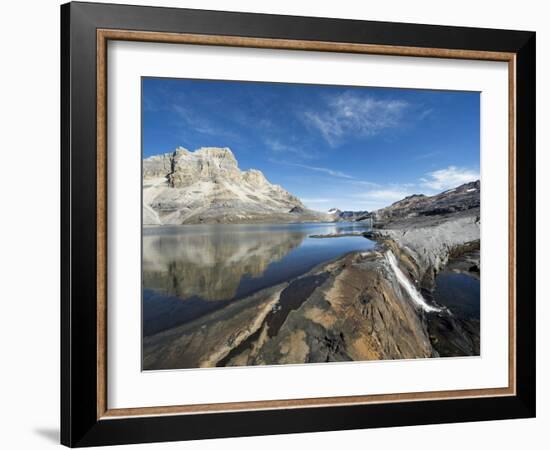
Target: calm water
[(191, 270), (459, 292), (457, 334)]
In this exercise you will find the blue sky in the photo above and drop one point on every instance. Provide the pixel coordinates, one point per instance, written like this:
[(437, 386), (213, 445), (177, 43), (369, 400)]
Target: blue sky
[(353, 148)]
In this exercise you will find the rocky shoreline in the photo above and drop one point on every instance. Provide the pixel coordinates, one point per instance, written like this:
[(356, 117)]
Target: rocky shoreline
[(372, 305), (350, 309)]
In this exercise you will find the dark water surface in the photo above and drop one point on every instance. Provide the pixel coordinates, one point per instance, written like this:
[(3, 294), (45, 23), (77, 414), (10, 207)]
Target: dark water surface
[(191, 270), (459, 292), (458, 333)]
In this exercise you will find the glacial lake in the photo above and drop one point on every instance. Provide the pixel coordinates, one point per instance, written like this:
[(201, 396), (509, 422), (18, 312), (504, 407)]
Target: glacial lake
[(191, 270), (457, 334), (459, 292)]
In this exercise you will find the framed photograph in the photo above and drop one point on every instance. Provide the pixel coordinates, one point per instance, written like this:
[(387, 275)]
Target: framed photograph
[(276, 224)]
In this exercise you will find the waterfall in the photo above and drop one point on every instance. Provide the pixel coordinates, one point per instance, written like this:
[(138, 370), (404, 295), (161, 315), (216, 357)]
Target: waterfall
[(407, 285)]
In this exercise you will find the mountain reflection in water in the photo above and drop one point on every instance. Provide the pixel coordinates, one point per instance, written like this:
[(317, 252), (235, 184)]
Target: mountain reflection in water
[(192, 269)]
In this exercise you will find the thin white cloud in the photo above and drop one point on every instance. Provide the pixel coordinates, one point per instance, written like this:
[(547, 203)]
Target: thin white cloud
[(318, 200), (149, 105), (333, 173), (200, 124), (384, 195), (277, 146), (449, 178), (426, 113), (364, 183), (428, 154), (342, 176), (351, 113), (374, 199), (326, 170)]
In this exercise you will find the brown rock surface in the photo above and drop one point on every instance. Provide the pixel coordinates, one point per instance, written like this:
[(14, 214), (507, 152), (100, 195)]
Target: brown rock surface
[(348, 310)]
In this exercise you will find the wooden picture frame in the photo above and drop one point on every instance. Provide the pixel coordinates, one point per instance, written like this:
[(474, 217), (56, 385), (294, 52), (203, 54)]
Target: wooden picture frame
[(86, 418)]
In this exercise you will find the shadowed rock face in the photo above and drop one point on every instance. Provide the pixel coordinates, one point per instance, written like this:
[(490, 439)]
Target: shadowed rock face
[(432, 234), (350, 216), (356, 315), (207, 186), (463, 198), (430, 229)]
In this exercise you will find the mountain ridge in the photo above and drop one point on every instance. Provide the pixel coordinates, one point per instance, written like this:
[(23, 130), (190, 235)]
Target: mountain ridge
[(207, 186), (462, 199)]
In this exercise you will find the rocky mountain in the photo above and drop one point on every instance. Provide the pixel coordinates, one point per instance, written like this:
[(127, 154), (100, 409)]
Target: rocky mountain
[(354, 216), (207, 186), (462, 198), (432, 229), (348, 216)]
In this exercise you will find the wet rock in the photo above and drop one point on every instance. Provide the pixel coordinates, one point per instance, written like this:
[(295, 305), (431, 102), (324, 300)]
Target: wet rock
[(453, 337), (357, 314), (206, 341)]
